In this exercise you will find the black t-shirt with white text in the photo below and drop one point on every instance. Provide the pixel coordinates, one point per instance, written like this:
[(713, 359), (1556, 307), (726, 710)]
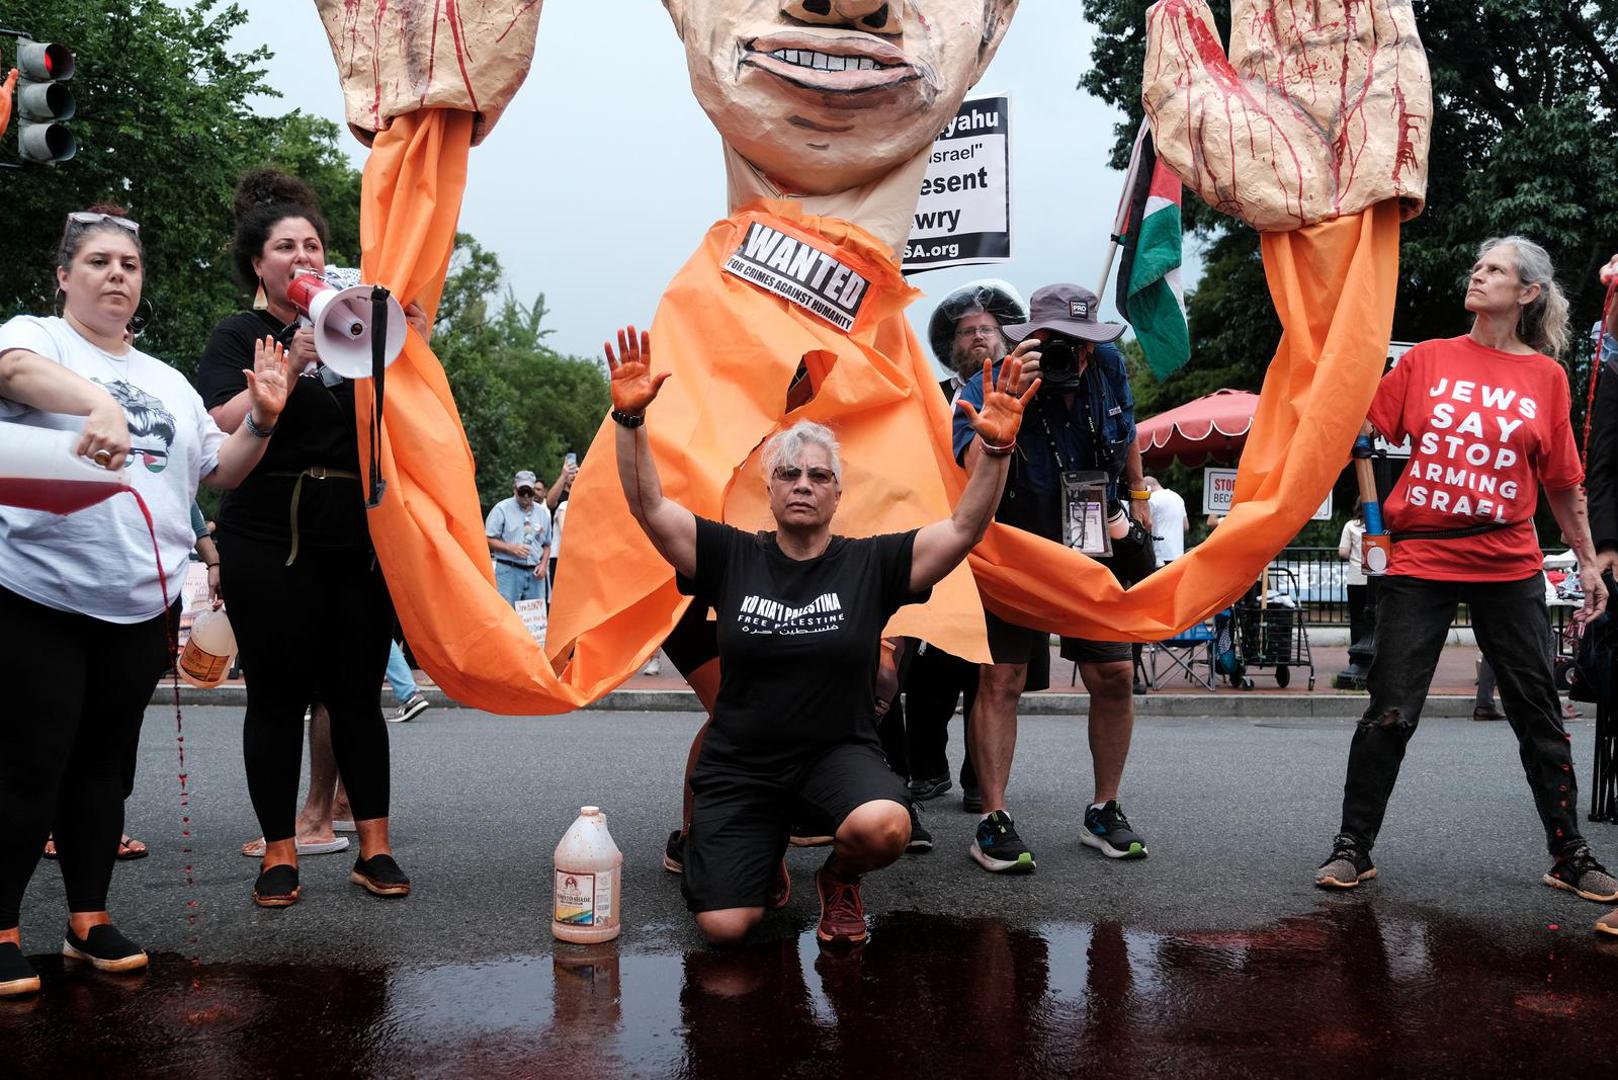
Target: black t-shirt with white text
[(316, 429), (798, 639)]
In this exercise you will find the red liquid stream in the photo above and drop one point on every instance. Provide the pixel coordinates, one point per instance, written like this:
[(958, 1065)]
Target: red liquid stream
[(60, 496)]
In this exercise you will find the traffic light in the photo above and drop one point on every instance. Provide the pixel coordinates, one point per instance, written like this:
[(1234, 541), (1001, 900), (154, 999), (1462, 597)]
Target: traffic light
[(43, 102)]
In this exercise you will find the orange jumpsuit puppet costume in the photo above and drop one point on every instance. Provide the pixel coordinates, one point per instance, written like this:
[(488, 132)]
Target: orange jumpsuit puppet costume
[(774, 287)]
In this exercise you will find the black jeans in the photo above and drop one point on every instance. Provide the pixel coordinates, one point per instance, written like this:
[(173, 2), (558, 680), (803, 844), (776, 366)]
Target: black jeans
[(78, 690), (316, 631), (1412, 619)]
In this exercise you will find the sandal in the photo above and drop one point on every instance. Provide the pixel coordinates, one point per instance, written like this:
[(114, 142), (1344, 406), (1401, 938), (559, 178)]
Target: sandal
[(50, 848), (130, 849), (254, 849)]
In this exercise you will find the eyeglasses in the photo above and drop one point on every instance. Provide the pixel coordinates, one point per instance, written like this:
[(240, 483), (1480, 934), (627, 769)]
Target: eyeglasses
[(91, 217), (968, 332), (789, 474)]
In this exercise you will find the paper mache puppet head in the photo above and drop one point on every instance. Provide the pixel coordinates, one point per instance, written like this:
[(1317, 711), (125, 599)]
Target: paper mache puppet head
[(824, 95), (395, 57)]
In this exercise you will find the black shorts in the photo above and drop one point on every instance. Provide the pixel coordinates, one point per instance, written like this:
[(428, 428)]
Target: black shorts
[(740, 818), (1013, 644)]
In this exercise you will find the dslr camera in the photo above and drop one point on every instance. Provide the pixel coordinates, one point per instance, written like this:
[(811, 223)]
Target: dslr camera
[(1059, 362)]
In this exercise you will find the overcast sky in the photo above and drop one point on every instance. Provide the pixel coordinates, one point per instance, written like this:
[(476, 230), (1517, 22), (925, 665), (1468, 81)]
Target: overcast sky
[(601, 178)]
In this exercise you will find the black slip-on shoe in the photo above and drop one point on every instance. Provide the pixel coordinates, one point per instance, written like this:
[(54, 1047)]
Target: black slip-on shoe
[(104, 948), (277, 887), (380, 876), (17, 975)]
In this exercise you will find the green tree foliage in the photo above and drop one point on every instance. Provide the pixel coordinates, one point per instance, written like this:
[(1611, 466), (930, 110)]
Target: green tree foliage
[(523, 404), (164, 128)]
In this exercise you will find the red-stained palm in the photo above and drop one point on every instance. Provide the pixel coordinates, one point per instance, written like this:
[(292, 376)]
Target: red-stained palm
[(633, 385), (1001, 416)]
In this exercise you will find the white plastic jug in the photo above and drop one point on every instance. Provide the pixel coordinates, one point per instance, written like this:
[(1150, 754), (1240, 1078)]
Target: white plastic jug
[(40, 470), (205, 660), (589, 870)]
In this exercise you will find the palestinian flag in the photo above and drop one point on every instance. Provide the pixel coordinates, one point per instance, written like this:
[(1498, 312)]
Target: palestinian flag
[(1149, 295)]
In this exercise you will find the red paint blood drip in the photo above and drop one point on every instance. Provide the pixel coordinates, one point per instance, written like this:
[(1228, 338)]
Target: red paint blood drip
[(179, 733)]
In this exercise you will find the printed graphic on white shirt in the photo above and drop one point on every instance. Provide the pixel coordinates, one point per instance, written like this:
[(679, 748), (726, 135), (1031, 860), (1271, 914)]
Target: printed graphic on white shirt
[(151, 426), (761, 615)]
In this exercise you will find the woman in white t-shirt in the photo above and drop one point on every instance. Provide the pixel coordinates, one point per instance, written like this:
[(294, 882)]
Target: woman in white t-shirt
[(84, 621)]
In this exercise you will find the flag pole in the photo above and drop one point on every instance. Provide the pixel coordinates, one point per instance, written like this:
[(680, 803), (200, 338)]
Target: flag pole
[(1120, 222)]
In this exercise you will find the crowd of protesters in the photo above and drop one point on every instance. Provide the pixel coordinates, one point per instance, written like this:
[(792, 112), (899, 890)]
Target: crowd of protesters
[(829, 734)]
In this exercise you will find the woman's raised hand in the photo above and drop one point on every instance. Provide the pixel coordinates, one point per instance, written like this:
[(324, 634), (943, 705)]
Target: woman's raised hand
[(268, 383), (633, 385), (998, 422)]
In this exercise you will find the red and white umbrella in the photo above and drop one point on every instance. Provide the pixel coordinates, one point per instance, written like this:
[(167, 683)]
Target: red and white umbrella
[(1215, 426)]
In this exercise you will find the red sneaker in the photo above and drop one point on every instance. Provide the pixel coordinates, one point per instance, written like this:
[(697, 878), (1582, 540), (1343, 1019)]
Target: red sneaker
[(842, 912), (781, 891)]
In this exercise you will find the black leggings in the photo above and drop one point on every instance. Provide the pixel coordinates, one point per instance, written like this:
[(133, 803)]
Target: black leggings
[(318, 630), (78, 691)]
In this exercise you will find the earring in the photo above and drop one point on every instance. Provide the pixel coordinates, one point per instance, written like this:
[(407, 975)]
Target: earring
[(260, 301)]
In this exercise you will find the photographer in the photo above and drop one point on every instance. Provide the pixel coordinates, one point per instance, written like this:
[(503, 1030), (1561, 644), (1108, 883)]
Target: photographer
[(1075, 467)]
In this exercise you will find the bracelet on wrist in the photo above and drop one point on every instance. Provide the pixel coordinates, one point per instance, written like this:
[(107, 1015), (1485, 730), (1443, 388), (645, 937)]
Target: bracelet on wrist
[(996, 451), (1140, 496), (629, 420), (260, 432), (211, 565)]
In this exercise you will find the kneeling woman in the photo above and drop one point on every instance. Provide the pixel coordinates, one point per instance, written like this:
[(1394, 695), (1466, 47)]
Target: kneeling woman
[(800, 616)]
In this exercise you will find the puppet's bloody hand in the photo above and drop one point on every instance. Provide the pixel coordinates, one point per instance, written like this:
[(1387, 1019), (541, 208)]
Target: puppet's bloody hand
[(633, 385), (1321, 110), (6, 89), (1001, 416)]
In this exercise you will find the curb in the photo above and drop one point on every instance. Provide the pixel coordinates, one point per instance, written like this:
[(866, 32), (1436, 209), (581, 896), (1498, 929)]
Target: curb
[(1255, 705)]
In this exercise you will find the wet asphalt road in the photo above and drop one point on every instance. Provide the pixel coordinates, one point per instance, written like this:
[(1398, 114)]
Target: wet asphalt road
[(1214, 955)]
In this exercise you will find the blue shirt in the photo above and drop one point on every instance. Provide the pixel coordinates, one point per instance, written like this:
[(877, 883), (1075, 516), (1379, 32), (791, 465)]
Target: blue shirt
[(508, 522), (1104, 394)]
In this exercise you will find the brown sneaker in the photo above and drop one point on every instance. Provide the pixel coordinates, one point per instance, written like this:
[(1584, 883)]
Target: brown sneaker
[(1608, 924), (842, 912)]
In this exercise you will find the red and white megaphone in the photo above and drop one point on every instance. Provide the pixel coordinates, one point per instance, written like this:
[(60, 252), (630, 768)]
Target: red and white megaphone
[(339, 309)]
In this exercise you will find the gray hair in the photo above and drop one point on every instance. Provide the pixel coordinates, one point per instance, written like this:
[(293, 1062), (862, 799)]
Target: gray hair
[(786, 448), (1543, 325)]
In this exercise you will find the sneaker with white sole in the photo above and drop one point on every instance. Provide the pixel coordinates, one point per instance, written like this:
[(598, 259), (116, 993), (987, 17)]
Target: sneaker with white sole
[(1579, 873), (1107, 830), (409, 709), (1347, 865), (997, 847), (920, 838)]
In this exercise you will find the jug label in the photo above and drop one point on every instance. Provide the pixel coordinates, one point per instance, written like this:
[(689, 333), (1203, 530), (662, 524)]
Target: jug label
[(202, 666), (575, 898)]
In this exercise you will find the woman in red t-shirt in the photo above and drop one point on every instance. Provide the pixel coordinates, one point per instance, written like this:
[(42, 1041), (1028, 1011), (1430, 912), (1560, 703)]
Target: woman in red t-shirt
[(1487, 415)]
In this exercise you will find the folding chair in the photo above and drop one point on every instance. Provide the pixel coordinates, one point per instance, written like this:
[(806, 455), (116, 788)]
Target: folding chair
[(1186, 653)]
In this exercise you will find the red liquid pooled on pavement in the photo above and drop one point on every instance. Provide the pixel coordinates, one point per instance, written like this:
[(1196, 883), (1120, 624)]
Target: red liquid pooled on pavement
[(60, 496)]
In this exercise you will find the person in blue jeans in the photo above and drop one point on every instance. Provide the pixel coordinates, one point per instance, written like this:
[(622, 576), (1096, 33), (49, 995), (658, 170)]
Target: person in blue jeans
[(519, 533), (412, 702)]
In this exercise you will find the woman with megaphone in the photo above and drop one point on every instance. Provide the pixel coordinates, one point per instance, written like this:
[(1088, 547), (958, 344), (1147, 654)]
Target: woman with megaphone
[(307, 598), (88, 577)]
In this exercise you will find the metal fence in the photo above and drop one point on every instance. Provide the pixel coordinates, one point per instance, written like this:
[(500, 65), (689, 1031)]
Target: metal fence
[(1323, 588)]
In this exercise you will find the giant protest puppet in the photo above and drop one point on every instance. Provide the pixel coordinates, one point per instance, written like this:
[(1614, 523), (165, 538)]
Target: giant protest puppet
[(1313, 130)]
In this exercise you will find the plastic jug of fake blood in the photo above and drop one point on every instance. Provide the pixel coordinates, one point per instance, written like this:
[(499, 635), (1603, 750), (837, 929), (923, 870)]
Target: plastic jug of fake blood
[(589, 870), (206, 657), (40, 469)]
